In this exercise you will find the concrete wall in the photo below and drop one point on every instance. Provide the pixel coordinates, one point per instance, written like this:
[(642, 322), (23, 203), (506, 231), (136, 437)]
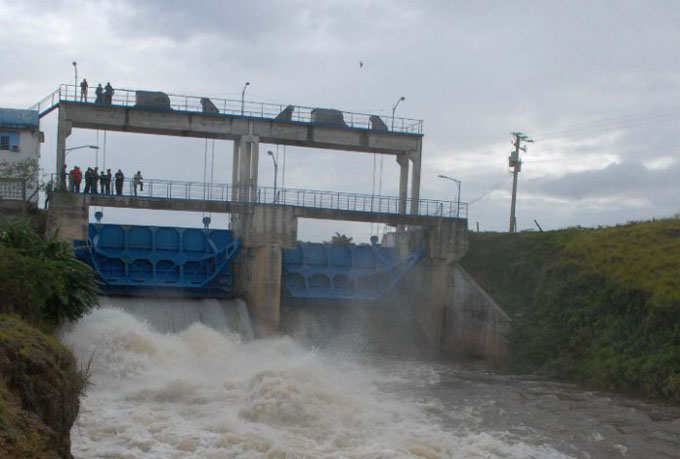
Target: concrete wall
[(474, 324), (67, 216), (264, 231)]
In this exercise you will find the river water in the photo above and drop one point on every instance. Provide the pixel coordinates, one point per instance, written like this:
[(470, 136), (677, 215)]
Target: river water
[(187, 382)]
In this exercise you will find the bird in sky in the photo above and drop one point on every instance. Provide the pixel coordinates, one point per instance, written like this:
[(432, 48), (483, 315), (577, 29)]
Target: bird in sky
[(361, 64)]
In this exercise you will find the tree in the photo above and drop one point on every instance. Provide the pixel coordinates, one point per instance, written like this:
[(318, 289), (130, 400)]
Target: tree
[(42, 281), (341, 239)]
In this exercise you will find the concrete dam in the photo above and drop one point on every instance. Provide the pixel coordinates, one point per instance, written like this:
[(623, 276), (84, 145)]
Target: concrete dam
[(409, 280)]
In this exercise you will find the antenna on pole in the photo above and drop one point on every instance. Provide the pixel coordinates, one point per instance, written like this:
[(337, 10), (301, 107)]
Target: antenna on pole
[(515, 163)]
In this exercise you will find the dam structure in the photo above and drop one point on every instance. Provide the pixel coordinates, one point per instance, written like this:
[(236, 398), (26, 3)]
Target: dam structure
[(260, 259)]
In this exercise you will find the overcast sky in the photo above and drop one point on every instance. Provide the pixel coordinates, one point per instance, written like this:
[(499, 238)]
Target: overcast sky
[(594, 82)]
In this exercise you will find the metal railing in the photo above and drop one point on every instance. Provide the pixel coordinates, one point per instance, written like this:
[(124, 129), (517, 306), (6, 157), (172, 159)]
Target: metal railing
[(329, 200), (301, 114)]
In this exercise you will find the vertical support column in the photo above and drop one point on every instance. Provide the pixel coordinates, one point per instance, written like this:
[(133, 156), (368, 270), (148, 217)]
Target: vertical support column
[(63, 131), (244, 170), (402, 159), (67, 217), (234, 171), (254, 167), (416, 157)]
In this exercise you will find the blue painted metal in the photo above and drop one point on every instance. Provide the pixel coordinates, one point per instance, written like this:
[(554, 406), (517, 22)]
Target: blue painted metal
[(147, 259), (349, 272)]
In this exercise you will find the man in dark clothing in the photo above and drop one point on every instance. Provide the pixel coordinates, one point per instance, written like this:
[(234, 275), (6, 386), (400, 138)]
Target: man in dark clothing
[(105, 182), (88, 181), (108, 94), (95, 180), (120, 178), (99, 92), (83, 90)]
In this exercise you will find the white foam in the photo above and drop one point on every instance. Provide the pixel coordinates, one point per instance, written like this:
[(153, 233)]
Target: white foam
[(204, 393)]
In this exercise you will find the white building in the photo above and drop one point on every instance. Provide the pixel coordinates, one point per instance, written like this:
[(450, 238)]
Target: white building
[(20, 139)]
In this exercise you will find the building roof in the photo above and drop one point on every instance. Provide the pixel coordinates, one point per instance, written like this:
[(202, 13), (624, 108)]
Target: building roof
[(14, 118)]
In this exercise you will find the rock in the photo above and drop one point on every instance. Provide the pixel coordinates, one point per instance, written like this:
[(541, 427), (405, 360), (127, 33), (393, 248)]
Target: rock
[(39, 391)]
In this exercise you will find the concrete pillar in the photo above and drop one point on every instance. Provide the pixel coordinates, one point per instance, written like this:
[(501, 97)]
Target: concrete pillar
[(68, 216), (415, 180), (403, 182), (264, 295), (244, 170), (63, 131), (254, 167), (264, 231), (234, 171)]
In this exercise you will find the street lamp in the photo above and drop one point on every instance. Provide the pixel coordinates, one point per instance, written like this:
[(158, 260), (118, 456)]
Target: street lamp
[(243, 95), (395, 108), (75, 81), (458, 198), (276, 171), (68, 150)]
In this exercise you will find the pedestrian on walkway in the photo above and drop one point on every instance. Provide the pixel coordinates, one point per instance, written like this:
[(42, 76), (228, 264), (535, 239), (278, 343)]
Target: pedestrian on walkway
[(108, 94), (105, 182), (77, 178), (49, 188), (88, 181), (137, 180), (83, 90), (99, 92), (120, 178)]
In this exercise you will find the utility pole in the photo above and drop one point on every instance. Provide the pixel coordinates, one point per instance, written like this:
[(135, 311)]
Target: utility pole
[(516, 163)]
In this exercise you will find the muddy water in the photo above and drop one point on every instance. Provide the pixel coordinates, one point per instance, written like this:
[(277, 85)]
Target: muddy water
[(204, 391)]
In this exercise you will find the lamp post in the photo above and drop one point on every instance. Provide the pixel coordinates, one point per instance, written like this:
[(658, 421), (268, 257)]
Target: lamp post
[(68, 150), (395, 108), (75, 81), (243, 95), (458, 198), (276, 171)]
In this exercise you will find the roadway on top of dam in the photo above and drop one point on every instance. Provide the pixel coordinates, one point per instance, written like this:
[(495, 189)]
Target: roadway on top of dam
[(326, 205), (193, 116)]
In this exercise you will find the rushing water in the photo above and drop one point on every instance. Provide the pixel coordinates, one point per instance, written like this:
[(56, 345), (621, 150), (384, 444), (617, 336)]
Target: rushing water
[(203, 390)]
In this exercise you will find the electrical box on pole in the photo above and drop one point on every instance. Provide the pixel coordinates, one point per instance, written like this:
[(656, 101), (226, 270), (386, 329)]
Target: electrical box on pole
[(515, 163)]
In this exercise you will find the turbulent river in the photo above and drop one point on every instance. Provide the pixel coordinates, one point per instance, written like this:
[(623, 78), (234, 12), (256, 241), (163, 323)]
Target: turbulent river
[(182, 381)]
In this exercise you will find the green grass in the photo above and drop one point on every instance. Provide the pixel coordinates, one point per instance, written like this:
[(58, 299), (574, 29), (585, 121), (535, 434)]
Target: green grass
[(601, 306)]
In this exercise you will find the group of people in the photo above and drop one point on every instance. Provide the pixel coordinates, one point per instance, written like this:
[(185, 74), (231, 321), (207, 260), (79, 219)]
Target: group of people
[(104, 96), (100, 182)]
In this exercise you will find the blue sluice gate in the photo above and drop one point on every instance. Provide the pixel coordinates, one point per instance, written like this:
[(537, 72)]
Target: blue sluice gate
[(349, 272), (138, 260)]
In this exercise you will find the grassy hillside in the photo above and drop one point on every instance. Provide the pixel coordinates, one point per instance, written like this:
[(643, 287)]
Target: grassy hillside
[(601, 306)]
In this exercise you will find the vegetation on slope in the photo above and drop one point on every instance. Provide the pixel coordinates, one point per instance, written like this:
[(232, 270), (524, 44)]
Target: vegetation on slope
[(42, 283), (41, 279), (600, 306)]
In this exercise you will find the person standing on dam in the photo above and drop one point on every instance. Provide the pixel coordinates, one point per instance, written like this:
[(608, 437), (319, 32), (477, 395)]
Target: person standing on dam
[(108, 94), (137, 181), (120, 178), (83, 90), (99, 92)]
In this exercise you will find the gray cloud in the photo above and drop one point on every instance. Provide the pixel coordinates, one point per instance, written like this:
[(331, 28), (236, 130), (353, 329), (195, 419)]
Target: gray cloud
[(594, 82)]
